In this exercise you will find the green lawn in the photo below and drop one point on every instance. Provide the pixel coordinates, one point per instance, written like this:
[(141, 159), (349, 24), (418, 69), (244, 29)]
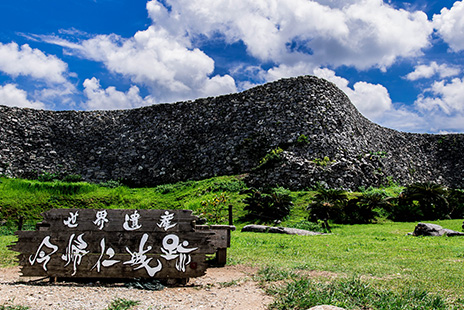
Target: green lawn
[(381, 255), (377, 258)]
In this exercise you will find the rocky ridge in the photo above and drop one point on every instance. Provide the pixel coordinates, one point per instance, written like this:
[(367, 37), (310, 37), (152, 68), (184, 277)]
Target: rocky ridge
[(301, 119)]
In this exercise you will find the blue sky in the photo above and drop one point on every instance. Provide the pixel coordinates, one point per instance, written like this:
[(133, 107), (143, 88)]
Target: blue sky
[(400, 62)]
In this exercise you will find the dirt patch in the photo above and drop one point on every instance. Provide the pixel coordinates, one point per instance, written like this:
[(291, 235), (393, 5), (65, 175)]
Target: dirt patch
[(230, 287)]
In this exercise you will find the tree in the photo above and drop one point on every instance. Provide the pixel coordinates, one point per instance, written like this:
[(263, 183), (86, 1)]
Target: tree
[(269, 204), (431, 198), (455, 199), (326, 204), (361, 210)]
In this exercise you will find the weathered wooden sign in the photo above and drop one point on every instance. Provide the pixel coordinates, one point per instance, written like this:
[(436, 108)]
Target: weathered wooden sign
[(87, 243)]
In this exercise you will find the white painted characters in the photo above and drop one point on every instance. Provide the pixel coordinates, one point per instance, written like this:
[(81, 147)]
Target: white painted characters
[(41, 256), (101, 219), (140, 258), (71, 221), (165, 221), (173, 249), (106, 262), (75, 251), (131, 222)]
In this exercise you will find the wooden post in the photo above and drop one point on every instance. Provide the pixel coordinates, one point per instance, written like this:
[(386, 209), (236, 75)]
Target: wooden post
[(231, 218), (221, 257), (20, 222)]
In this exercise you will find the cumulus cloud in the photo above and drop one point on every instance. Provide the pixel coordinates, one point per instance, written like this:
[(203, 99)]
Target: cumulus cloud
[(358, 33), (372, 100), (165, 64), (442, 105), (428, 71), (110, 98), (12, 96), (445, 96), (23, 60), (450, 25), (168, 60)]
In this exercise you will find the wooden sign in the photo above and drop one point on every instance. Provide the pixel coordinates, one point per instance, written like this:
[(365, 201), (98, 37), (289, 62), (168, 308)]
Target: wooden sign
[(88, 243)]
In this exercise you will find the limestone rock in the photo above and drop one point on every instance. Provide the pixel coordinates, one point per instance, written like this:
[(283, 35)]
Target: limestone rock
[(279, 230), (427, 229)]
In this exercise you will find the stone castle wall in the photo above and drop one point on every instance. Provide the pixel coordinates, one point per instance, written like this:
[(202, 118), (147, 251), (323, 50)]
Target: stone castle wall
[(306, 117)]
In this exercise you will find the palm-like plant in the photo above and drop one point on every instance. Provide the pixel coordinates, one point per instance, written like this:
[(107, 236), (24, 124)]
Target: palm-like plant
[(431, 198), (269, 204), (326, 204), (361, 210)]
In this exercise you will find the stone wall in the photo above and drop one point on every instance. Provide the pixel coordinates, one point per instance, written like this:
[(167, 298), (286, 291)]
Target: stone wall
[(306, 117)]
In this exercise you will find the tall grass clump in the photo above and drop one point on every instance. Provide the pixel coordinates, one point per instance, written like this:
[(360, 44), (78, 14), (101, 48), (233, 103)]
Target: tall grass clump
[(53, 188), (354, 293), (122, 304)]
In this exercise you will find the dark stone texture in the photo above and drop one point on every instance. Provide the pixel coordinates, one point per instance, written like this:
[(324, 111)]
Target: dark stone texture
[(426, 229), (229, 135), (279, 230)]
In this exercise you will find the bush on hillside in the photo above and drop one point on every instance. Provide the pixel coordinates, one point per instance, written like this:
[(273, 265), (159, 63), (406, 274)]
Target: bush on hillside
[(268, 205)]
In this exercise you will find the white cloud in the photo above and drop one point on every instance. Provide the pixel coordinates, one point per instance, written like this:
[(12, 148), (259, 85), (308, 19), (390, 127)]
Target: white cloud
[(12, 96), (447, 97), (372, 100), (110, 98), (25, 61), (428, 71), (362, 33), (165, 64), (442, 106), (283, 71), (450, 25), (296, 35)]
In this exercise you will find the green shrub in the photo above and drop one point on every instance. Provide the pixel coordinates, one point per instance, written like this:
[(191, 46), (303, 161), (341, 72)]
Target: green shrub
[(422, 201), (122, 304), (48, 177), (111, 184), (71, 178), (268, 205), (404, 210), (455, 199), (64, 177), (234, 185), (274, 156), (214, 210), (327, 204), (365, 208), (323, 162), (302, 139)]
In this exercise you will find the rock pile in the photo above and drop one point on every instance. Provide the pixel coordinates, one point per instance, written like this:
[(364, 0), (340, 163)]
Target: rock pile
[(304, 118)]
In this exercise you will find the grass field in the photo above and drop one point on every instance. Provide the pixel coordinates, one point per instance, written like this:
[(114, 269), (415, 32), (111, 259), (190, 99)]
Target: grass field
[(362, 262)]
